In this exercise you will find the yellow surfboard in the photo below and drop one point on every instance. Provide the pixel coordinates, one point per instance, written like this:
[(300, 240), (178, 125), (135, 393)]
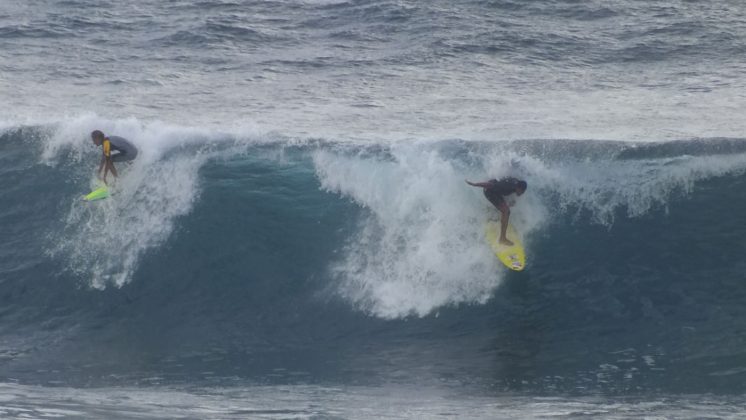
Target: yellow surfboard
[(514, 257)]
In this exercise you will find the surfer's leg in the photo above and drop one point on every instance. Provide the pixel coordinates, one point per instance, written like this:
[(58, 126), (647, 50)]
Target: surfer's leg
[(504, 216), (499, 202)]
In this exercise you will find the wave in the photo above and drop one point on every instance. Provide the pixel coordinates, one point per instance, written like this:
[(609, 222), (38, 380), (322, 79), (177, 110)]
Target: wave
[(244, 247), (412, 236)]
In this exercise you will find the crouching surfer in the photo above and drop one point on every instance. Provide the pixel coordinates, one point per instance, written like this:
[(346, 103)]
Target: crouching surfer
[(495, 191), (124, 151)]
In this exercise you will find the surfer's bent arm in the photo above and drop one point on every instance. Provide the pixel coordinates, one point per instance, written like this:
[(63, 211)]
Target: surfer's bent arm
[(478, 184)]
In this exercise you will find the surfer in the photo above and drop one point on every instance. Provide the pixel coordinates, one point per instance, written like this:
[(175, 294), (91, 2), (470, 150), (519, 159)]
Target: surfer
[(126, 152), (496, 191)]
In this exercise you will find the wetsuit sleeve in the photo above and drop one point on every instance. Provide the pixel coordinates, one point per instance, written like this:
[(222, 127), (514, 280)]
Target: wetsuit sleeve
[(107, 148)]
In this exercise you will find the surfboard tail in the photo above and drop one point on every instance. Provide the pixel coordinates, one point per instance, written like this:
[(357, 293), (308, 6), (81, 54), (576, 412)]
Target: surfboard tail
[(513, 257), (97, 194)]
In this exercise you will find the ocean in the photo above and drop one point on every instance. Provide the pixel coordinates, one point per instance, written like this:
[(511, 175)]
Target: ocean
[(296, 238)]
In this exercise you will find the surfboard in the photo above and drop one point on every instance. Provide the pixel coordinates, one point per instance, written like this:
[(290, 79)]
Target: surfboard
[(514, 257), (97, 194)]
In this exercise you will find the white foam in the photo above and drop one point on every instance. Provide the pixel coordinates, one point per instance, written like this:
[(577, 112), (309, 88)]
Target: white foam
[(422, 244), (637, 186), (353, 402), (152, 138)]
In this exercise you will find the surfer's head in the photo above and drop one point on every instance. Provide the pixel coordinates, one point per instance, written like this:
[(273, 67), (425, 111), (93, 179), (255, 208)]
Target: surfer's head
[(521, 187), (98, 137)]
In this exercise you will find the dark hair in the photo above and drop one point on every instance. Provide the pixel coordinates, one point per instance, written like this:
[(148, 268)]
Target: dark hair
[(97, 134), (522, 185)]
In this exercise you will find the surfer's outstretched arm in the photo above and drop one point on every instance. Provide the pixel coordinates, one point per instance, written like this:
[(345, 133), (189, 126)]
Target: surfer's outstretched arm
[(478, 184)]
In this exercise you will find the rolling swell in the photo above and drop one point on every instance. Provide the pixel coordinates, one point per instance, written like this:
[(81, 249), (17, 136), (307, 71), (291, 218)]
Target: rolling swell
[(227, 255)]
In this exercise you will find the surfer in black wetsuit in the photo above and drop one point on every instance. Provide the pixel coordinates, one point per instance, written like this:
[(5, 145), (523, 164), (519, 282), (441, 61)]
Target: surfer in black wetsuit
[(495, 191), (126, 152)]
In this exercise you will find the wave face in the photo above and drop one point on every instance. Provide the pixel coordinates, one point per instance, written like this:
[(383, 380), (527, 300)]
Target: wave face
[(276, 260)]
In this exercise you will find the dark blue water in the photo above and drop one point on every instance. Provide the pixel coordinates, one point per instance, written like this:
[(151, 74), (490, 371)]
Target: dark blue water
[(296, 237)]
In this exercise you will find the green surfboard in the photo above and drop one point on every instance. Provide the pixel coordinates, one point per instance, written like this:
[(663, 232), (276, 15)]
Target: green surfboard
[(98, 194)]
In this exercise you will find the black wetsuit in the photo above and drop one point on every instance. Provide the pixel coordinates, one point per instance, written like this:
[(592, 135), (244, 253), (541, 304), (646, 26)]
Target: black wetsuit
[(498, 189)]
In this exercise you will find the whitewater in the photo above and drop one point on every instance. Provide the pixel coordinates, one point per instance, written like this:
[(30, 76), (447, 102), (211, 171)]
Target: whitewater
[(296, 238)]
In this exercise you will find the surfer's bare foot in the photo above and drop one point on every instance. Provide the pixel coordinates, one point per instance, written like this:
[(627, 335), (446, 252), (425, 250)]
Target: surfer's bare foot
[(505, 241)]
